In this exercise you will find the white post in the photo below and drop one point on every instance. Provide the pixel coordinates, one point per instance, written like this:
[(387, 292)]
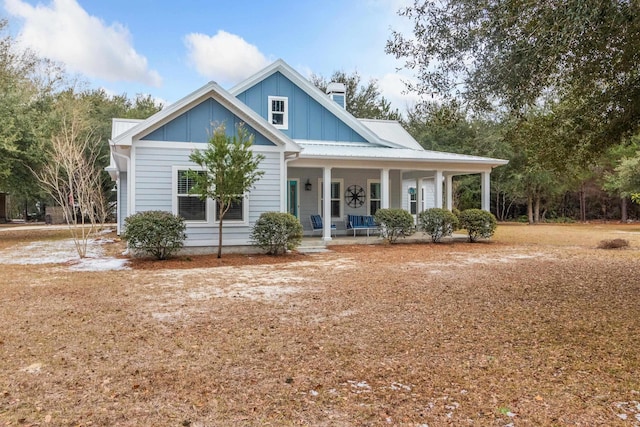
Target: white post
[(384, 189), (419, 201), (485, 184), (449, 190), (438, 189), (326, 208)]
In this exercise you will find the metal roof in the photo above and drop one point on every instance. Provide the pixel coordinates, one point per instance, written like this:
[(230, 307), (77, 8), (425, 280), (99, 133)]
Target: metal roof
[(319, 149), (392, 131)]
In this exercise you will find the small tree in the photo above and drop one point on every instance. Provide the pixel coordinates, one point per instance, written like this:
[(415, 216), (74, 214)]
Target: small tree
[(437, 223), (230, 170), (394, 223), (156, 233), (478, 223), (71, 176), (277, 232)]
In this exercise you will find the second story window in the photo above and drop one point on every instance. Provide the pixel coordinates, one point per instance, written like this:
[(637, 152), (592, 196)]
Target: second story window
[(278, 112)]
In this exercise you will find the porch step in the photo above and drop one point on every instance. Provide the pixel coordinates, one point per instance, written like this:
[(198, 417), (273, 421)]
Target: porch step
[(312, 246)]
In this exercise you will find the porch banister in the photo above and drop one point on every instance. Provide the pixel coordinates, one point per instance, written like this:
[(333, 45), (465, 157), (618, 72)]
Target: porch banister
[(438, 189), (384, 188), (326, 207), (485, 179)]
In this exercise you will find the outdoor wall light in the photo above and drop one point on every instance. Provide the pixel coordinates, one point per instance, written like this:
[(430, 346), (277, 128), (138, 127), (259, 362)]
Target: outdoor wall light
[(307, 185)]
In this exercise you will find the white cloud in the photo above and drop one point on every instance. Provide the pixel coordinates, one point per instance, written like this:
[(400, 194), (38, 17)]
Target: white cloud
[(224, 57), (65, 32), (393, 88)]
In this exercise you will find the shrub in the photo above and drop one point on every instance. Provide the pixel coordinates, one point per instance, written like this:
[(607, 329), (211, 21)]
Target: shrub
[(394, 223), (277, 232), (437, 223), (478, 223), (156, 233), (613, 244)]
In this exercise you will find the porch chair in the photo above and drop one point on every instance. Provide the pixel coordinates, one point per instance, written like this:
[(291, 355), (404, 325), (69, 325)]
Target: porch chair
[(316, 225)]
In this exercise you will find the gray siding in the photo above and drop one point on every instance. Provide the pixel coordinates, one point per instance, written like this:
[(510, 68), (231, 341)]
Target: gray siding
[(123, 191), (153, 187)]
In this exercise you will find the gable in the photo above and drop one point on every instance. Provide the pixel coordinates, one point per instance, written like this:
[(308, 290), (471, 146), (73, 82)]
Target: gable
[(307, 118), (194, 125)]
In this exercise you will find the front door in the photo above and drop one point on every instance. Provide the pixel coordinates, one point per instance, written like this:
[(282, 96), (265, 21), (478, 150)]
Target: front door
[(293, 197)]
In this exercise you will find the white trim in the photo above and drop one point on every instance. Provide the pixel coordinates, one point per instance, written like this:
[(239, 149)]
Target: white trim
[(285, 112), (131, 179), (176, 145), (174, 198), (340, 198)]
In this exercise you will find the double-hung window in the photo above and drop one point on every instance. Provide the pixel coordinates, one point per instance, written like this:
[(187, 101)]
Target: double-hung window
[(336, 198), (278, 112), (374, 196), (236, 212), (189, 206)]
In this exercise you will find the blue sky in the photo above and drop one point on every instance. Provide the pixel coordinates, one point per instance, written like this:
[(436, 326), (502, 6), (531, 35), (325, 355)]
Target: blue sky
[(169, 48)]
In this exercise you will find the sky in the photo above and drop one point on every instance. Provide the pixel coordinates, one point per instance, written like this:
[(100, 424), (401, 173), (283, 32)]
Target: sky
[(168, 49)]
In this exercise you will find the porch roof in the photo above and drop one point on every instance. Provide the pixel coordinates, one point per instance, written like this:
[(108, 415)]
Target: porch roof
[(358, 151)]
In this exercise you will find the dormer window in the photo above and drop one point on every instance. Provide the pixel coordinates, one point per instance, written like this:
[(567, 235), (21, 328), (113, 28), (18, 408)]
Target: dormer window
[(278, 112)]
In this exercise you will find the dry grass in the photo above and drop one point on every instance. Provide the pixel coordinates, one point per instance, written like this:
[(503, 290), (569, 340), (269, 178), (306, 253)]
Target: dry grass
[(536, 327)]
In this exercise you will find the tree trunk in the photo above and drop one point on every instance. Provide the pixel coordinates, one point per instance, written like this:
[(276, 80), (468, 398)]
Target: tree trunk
[(220, 215), (623, 209), (583, 204), (530, 208), (536, 209)]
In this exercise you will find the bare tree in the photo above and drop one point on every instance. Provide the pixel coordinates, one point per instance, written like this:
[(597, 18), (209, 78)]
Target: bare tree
[(71, 174)]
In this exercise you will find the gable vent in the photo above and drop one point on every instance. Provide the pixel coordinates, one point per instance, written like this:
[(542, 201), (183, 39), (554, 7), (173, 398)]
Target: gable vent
[(338, 93)]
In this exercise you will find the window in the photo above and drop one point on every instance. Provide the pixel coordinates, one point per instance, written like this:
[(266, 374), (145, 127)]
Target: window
[(278, 112), (374, 196), (189, 206), (336, 198), (236, 211)]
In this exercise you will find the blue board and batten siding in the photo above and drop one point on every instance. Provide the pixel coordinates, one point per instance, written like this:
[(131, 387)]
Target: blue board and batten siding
[(153, 191), (308, 119), (195, 125)]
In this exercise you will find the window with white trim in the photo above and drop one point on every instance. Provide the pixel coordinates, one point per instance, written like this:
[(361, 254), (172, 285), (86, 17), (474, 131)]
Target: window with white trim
[(336, 198), (279, 111), (189, 206), (238, 212), (374, 195)]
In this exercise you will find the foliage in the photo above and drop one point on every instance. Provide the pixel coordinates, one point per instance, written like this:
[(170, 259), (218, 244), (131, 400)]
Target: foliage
[(613, 244), (394, 223), (437, 223), (277, 232), (478, 223), (231, 169), (516, 54), (364, 101), (156, 233)]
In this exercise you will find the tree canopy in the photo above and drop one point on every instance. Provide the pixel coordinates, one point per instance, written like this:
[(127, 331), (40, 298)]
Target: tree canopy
[(579, 55)]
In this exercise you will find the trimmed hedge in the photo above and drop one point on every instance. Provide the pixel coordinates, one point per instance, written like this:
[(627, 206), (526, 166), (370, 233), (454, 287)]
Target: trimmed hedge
[(277, 232), (155, 233), (478, 223), (394, 223), (437, 223)]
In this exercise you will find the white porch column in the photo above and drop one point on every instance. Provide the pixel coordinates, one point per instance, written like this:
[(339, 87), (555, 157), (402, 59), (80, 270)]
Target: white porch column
[(419, 201), (449, 191), (485, 184), (438, 188), (384, 189), (326, 207)]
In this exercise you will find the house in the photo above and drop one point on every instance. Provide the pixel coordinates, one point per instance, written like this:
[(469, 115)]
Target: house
[(319, 159)]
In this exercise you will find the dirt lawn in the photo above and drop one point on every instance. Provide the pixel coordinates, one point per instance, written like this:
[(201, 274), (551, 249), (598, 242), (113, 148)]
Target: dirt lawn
[(536, 327)]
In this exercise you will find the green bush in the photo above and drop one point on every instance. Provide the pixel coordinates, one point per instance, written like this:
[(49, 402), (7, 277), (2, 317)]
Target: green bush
[(478, 223), (277, 232), (437, 223), (156, 233), (394, 223)]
